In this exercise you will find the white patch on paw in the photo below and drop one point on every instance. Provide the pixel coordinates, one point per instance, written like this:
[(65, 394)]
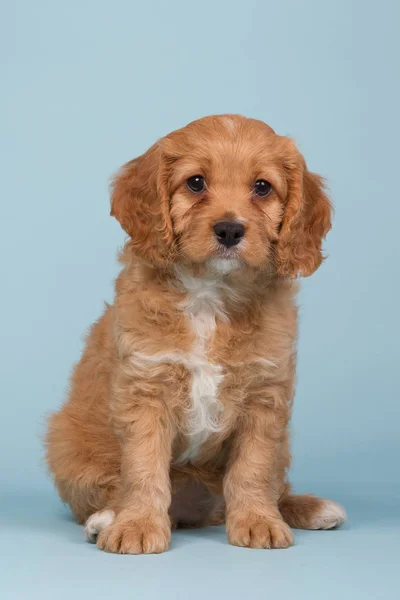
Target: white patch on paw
[(97, 522), (330, 515)]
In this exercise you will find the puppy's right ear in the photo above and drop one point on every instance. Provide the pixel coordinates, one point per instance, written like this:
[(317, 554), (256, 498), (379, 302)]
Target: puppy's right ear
[(140, 202)]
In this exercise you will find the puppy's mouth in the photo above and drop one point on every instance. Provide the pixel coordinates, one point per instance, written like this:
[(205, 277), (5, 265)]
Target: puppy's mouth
[(226, 260), (227, 253)]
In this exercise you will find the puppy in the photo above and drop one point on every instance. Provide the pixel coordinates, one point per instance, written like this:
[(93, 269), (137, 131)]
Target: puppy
[(178, 410)]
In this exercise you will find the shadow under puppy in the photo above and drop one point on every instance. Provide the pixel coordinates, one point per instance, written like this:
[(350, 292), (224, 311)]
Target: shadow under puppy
[(178, 410)]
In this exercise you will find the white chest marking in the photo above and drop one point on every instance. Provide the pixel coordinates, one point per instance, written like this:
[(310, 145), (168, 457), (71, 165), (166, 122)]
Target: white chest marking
[(203, 304), (205, 409)]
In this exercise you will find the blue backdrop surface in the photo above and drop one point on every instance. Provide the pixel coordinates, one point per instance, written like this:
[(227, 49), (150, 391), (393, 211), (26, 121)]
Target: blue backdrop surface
[(89, 85)]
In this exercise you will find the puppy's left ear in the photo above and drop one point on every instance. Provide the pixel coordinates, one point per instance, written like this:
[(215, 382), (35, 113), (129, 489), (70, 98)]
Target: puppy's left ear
[(306, 220)]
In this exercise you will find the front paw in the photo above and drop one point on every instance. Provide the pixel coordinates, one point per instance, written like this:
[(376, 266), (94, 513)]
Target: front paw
[(136, 536), (256, 531)]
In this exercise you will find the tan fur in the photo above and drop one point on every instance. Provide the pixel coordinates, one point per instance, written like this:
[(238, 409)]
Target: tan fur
[(179, 319)]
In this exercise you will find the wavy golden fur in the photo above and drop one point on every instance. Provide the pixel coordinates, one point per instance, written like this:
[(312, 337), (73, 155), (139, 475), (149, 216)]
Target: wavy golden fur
[(178, 410)]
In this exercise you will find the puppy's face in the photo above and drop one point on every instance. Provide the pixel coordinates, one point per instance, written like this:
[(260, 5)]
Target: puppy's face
[(226, 191)]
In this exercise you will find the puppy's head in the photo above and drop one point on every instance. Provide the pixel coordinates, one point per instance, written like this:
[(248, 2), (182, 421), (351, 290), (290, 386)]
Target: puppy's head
[(224, 190)]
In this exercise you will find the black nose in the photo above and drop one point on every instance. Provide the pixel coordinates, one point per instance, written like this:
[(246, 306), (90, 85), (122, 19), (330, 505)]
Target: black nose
[(229, 233)]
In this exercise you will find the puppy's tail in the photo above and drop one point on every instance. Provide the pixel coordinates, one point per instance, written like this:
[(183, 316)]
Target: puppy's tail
[(310, 512)]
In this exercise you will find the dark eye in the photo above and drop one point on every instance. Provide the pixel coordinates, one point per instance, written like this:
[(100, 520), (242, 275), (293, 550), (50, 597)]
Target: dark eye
[(196, 184), (262, 188)]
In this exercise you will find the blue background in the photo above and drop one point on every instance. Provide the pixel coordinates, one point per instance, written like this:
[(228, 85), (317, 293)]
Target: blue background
[(89, 85)]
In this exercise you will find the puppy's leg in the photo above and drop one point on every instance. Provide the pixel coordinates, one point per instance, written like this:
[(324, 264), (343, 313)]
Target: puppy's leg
[(310, 512), (142, 524), (304, 511), (85, 465), (250, 489)]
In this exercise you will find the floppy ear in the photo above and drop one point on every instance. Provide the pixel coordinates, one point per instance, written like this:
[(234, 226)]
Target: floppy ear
[(306, 221), (140, 202)]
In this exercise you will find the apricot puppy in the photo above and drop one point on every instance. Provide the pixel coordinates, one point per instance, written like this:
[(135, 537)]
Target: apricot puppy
[(179, 407)]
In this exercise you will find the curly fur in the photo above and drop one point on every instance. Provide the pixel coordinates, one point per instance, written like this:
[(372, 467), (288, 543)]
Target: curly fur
[(178, 410)]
